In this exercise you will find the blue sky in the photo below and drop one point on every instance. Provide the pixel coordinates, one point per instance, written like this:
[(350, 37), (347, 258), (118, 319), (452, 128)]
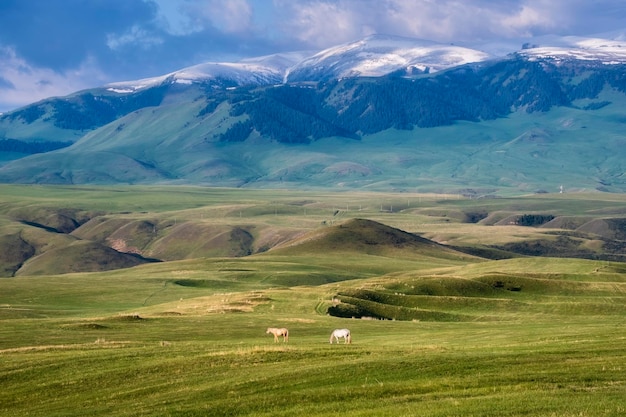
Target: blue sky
[(55, 47)]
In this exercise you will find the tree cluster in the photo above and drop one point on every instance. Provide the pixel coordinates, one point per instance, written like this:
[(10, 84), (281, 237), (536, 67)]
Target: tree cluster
[(288, 114), (88, 111), (28, 114), (534, 219), (296, 113), (20, 146)]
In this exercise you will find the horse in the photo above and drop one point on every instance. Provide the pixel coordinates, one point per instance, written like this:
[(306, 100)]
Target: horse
[(337, 333), (278, 332)]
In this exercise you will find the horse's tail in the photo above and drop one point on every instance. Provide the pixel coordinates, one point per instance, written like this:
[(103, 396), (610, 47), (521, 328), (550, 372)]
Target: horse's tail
[(349, 338), (331, 337), (286, 335)]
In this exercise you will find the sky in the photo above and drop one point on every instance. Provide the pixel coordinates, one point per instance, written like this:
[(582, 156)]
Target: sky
[(56, 47)]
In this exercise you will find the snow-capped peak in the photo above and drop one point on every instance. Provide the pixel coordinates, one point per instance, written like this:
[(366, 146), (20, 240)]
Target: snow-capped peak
[(269, 69), (379, 55), (598, 48)]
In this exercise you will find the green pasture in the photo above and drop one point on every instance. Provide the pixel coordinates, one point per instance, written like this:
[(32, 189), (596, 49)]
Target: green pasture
[(438, 333)]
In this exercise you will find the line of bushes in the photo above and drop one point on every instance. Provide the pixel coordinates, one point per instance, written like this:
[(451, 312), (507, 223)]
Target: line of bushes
[(360, 307)]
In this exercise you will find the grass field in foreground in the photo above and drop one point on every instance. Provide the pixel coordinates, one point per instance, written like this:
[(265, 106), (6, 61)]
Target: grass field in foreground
[(225, 365), (522, 337), (86, 347)]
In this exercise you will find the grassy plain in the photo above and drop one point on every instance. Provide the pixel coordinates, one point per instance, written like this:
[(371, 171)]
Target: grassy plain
[(530, 336)]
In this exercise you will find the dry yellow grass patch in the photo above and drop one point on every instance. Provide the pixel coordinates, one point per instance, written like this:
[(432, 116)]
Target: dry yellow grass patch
[(212, 304)]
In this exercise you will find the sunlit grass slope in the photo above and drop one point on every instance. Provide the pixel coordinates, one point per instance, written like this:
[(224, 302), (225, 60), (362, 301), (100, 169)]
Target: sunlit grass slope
[(436, 332), (507, 290), (573, 146), (191, 340), (173, 223)]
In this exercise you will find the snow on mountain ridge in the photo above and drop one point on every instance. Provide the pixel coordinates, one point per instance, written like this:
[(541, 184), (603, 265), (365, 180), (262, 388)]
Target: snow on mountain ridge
[(240, 73), (607, 51), (378, 55), (268, 69)]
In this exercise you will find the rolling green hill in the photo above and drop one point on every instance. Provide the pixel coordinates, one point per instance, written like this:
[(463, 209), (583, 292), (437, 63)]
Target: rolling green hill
[(51, 229), (366, 237), (435, 331)]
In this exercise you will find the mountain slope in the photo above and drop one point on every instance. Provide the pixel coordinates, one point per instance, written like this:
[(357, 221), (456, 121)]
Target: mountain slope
[(80, 256), (567, 48), (528, 122), (379, 55), (368, 237), (263, 70)]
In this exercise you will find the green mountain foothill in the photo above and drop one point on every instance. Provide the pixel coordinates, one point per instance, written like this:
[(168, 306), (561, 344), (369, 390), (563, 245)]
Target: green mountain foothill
[(51, 235), (519, 124)]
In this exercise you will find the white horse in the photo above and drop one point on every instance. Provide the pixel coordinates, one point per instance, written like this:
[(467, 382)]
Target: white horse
[(337, 333), (278, 332)]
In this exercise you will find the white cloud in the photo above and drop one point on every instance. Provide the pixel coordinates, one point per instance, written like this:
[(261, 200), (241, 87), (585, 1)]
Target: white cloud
[(323, 23), (229, 16), (24, 84), (234, 15), (430, 20), (328, 22), (136, 36), (452, 20), (527, 19), (172, 18), (185, 17)]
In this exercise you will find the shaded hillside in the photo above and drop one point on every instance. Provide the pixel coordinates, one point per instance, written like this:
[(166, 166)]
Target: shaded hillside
[(51, 219), (560, 245), (38, 240), (14, 251), (43, 228), (79, 256), (581, 237), (612, 228), (517, 123), (367, 237), (169, 240), (41, 243), (561, 236), (124, 234), (192, 240), (87, 110)]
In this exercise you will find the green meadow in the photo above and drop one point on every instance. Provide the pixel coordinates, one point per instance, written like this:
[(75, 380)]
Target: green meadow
[(455, 307)]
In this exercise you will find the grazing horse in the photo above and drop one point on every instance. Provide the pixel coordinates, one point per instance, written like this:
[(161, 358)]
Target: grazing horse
[(337, 333), (278, 332)]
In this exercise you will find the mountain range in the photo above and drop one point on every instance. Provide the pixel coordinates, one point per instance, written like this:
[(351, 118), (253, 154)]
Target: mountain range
[(381, 113)]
